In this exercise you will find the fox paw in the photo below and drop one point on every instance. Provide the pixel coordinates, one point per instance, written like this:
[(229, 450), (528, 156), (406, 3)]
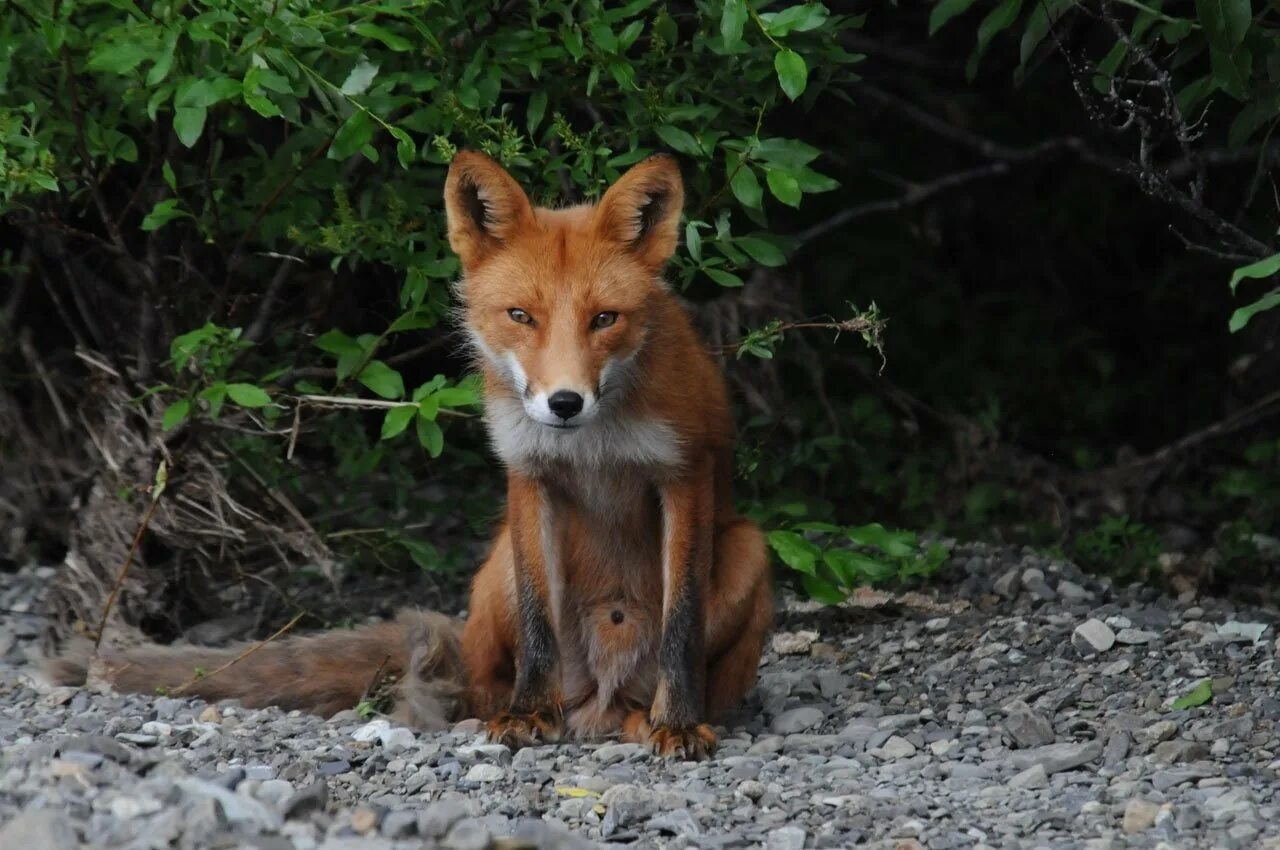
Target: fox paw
[(690, 743), (518, 730)]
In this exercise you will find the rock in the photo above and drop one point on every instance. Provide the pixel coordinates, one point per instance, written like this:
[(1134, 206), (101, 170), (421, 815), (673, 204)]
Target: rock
[(312, 798), (751, 790), (1161, 730), (210, 715), (676, 822), (895, 747), (1033, 777), (1008, 584), (786, 838), (1026, 727), (1057, 757), (937, 624), (1093, 636), (1136, 636), (1117, 748), (439, 817), (484, 772), (401, 823), (371, 731), (1073, 592), (1139, 815), (364, 820), (128, 808), (793, 643), (1177, 752), (614, 753), (797, 720), (239, 810), (467, 835), (100, 744), (399, 739), (333, 768), (39, 829)]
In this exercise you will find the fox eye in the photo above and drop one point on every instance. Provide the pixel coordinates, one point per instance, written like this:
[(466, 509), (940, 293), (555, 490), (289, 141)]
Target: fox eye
[(603, 320), (518, 315)]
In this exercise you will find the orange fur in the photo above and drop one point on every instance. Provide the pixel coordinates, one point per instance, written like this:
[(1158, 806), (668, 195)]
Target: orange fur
[(622, 594)]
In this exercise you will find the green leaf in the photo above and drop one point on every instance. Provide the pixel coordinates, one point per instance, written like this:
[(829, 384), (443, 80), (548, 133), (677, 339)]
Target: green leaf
[(796, 552), (215, 394), (997, 20), (537, 110), (679, 140), (1256, 271), (746, 187), (693, 240), (406, 150), (416, 319), (1241, 317), (732, 21), (800, 18), (1198, 695), (793, 74), (1044, 14), (360, 78), (1232, 69), (787, 153), (336, 342), (395, 42), (164, 62), (855, 568), (724, 278), (821, 590), (354, 134), (430, 436), (461, 395), (944, 11), (261, 105), (784, 187), (396, 420), (118, 57), (897, 544), (162, 213), (175, 414), (188, 123), (382, 379), (762, 251), (247, 395), (1225, 22), (170, 180)]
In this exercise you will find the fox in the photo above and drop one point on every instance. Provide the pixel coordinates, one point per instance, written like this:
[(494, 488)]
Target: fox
[(623, 594)]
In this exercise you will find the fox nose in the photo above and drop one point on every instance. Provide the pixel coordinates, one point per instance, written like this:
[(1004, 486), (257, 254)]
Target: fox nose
[(565, 403)]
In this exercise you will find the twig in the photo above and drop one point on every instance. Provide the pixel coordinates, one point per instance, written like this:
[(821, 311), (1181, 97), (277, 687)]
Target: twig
[(913, 196), (162, 477), (366, 403), (242, 656)]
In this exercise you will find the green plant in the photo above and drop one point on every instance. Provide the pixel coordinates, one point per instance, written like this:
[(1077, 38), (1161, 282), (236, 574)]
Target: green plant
[(830, 569), (1117, 546)]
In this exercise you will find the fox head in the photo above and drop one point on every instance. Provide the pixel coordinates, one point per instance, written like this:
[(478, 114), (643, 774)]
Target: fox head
[(558, 303)]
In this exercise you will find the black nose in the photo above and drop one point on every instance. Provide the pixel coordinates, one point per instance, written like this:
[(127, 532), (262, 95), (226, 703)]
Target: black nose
[(565, 403)]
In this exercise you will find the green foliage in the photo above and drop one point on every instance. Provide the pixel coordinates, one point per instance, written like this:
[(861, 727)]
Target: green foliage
[(1117, 546), (830, 568), (1199, 695)]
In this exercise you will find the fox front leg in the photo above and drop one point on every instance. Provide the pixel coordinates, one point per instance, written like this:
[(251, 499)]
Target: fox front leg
[(535, 714)]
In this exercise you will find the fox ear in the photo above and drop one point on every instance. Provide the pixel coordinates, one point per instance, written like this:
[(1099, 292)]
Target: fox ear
[(642, 210), (484, 204)]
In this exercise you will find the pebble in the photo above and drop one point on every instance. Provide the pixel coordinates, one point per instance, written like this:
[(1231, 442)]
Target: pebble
[(1139, 815), (1093, 636), (797, 720)]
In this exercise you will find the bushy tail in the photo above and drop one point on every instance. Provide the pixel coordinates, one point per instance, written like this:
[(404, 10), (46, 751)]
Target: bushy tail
[(415, 660)]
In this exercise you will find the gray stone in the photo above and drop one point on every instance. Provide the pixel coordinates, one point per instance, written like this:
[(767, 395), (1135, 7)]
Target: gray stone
[(1093, 636), (39, 829), (436, 819), (1136, 636), (676, 822), (786, 838), (614, 753), (895, 747), (797, 720), (1033, 777), (1026, 727), (485, 772), (400, 823), (467, 835), (1139, 815), (304, 801), (1057, 757)]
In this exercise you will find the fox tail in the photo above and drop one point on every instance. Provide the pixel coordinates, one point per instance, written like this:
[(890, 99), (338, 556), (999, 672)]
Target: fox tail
[(415, 661)]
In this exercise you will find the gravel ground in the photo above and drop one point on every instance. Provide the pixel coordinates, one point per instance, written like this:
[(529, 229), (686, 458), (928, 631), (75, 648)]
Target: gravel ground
[(1022, 705)]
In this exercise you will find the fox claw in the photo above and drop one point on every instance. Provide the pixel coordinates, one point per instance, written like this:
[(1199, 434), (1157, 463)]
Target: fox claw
[(689, 743), (517, 730)]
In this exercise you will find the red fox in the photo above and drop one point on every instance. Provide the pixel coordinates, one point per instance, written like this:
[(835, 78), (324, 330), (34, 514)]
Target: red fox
[(623, 595)]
